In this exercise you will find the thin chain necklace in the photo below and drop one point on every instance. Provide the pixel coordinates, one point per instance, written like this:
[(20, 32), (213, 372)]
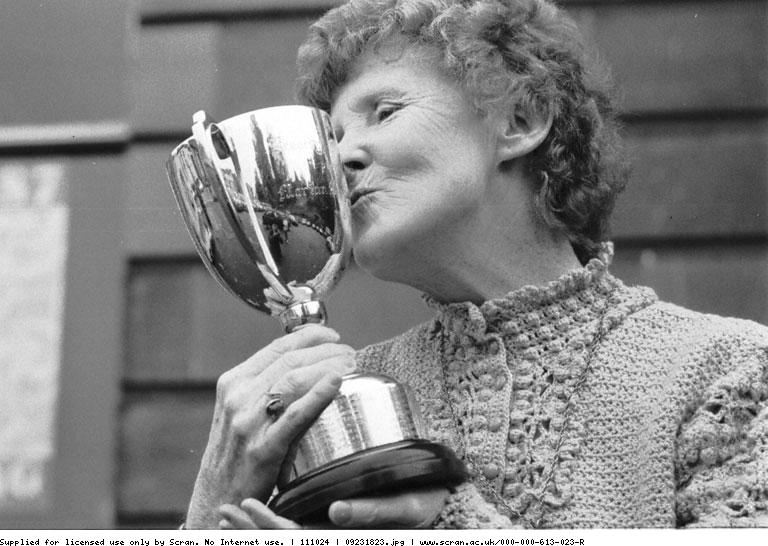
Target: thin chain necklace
[(485, 483)]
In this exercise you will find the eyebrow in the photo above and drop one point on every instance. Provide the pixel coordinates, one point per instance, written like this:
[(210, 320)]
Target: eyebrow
[(372, 95), (379, 85), (367, 96)]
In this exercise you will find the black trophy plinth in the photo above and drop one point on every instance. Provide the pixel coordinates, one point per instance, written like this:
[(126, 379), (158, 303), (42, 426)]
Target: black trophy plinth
[(392, 467)]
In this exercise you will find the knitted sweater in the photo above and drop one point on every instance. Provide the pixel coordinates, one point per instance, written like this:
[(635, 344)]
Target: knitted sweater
[(587, 403)]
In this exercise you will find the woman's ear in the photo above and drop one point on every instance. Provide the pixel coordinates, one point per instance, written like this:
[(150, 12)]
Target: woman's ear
[(522, 132)]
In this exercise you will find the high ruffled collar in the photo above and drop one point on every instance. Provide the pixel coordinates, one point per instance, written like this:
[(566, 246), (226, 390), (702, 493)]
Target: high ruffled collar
[(568, 294)]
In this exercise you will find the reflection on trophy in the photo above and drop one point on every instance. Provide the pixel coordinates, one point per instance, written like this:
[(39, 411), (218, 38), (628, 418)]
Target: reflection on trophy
[(264, 197)]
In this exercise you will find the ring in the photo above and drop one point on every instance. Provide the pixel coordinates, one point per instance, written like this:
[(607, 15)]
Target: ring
[(275, 405)]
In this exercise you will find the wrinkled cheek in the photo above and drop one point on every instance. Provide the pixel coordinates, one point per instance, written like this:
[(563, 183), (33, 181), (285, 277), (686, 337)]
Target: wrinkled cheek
[(367, 213), (382, 231)]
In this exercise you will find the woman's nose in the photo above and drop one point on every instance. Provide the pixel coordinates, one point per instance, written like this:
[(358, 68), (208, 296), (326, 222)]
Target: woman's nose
[(354, 157)]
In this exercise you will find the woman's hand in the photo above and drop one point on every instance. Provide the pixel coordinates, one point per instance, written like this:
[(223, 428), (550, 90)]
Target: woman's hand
[(246, 446), (416, 509), (252, 514)]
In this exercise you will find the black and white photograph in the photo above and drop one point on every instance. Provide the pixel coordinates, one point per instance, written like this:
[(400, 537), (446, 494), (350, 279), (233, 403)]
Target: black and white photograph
[(324, 266)]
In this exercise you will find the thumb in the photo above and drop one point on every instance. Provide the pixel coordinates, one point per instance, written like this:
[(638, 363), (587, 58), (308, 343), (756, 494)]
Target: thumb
[(415, 509)]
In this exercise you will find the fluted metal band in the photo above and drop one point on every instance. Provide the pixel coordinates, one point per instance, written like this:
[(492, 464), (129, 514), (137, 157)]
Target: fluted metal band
[(370, 410)]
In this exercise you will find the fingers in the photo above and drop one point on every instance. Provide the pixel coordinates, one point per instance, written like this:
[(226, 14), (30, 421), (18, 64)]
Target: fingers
[(301, 413), (308, 336), (234, 517), (305, 394), (252, 514), (294, 351), (264, 518), (270, 443), (294, 384), (243, 391), (414, 509), (301, 358)]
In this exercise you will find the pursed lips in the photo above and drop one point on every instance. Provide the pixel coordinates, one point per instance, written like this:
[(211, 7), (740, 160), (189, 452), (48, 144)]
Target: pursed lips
[(359, 192)]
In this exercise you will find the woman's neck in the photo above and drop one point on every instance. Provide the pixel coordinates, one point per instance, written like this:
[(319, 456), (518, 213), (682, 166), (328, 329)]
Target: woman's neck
[(491, 270)]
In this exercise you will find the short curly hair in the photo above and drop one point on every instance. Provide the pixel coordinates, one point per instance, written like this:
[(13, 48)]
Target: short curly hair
[(507, 55)]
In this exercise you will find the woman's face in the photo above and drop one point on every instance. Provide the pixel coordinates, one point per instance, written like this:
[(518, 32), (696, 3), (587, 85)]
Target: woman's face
[(420, 163)]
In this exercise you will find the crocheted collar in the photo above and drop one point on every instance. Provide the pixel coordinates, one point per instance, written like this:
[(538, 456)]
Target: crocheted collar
[(567, 293)]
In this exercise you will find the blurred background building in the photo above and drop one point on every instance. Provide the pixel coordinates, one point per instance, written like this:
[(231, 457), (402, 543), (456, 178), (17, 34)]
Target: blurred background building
[(112, 334)]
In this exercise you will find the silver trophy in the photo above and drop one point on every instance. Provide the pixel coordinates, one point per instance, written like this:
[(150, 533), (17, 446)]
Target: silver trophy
[(265, 200)]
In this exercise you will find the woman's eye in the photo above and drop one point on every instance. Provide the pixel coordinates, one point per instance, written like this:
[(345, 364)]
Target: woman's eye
[(384, 111)]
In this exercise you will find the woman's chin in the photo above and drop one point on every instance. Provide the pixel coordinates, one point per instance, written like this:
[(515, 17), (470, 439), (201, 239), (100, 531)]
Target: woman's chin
[(393, 250), (380, 260), (372, 263)]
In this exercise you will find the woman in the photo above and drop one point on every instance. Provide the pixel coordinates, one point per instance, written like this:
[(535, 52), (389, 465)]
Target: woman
[(480, 150)]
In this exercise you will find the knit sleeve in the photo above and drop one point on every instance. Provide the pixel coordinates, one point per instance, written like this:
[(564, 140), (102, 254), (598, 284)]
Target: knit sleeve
[(721, 463), (467, 509)]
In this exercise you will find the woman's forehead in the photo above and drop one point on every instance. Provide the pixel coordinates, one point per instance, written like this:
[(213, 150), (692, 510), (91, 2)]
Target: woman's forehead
[(390, 72), (394, 51)]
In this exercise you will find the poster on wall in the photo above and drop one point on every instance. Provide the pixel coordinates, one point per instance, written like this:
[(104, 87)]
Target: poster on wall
[(34, 219)]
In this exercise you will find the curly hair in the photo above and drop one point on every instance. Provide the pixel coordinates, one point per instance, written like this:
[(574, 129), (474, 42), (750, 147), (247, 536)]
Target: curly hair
[(509, 56)]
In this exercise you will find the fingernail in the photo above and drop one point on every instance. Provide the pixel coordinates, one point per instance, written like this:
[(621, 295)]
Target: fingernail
[(340, 512)]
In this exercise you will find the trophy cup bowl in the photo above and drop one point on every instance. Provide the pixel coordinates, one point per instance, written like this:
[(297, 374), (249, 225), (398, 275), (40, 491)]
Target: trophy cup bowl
[(264, 198)]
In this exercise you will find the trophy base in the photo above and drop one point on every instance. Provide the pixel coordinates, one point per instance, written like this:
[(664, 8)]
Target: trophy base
[(388, 468)]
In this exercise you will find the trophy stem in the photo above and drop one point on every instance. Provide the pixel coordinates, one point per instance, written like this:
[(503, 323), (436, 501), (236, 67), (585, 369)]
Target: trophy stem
[(301, 313)]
